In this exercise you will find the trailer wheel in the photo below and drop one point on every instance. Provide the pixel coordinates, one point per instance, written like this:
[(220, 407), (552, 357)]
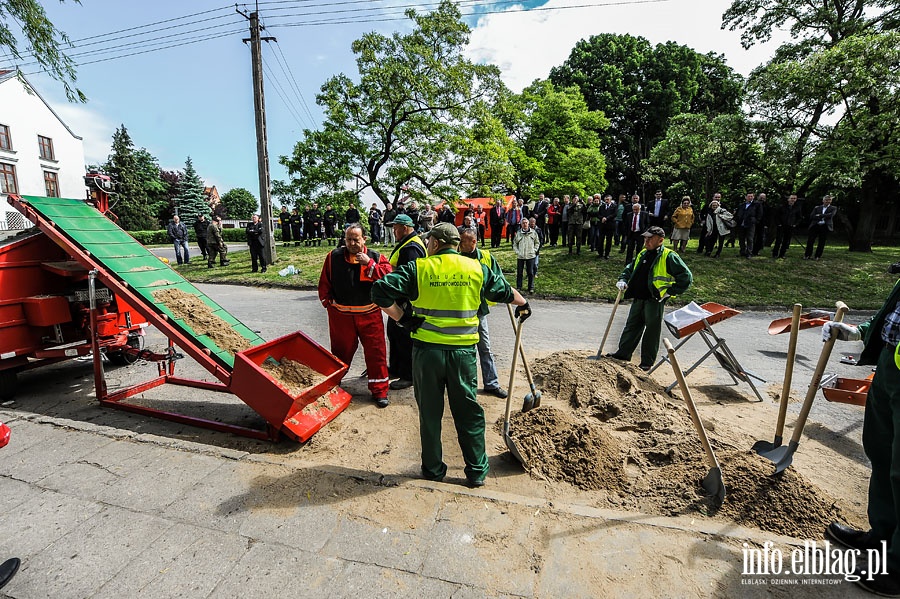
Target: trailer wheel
[(122, 358), (8, 383)]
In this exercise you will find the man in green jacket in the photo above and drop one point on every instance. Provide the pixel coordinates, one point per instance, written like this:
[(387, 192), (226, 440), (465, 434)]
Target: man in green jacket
[(656, 274), (446, 291), (880, 336)]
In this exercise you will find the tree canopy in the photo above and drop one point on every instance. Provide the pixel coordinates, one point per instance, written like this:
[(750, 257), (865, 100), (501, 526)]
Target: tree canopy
[(640, 87), (831, 94), (44, 43), (417, 121), (190, 197), (239, 203), (555, 142), (131, 203)]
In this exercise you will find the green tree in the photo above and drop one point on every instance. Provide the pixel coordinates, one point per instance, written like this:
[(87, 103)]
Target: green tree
[(131, 205), (44, 43), (148, 175), (840, 62), (190, 197), (701, 155), (418, 121), (239, 203), (556, 147), (639, 88)]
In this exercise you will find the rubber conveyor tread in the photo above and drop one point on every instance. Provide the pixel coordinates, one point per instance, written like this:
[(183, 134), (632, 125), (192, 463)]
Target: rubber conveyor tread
[(129, 262)]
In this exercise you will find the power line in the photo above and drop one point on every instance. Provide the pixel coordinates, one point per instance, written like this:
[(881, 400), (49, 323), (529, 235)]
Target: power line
[(276, 85), (146, 43), (287, 65)]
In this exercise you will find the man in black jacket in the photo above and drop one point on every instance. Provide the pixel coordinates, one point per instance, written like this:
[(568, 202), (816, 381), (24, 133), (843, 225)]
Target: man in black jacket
[(821, 223), (200, 227), (284, 221), (256, 239), (747, 216), (408, 249), (787, 218), (497, 219)]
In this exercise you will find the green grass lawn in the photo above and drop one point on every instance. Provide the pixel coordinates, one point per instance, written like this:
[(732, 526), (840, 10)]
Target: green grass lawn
[(860, 280)]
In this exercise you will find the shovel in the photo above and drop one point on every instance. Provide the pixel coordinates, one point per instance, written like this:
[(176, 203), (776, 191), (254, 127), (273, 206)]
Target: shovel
[(815, 318), (533, 399), (712, 482), (510, 444), (608, 326), (761, 447), (783, 456)]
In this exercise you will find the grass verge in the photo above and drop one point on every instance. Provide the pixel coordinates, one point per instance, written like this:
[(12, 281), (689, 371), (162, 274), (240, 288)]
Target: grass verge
[(858, 279)]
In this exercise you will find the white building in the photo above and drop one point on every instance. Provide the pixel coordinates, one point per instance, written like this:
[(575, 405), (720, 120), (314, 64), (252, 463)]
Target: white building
[(39, 154)]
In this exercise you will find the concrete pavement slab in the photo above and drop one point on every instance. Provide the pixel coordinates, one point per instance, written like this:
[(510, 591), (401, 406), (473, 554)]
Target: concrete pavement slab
[(364, 580), (270, 570), (80, 562), (57, 449), (40, 520), (185, 561)]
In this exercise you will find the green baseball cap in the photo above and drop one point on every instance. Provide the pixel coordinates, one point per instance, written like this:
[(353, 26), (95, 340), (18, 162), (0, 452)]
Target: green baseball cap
[(402, 219)]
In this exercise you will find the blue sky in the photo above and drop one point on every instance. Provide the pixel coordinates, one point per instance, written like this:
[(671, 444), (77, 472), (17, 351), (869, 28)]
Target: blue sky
[(195, 99)]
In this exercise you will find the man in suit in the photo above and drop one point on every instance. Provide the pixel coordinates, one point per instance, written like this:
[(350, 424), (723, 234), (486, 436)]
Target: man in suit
[(635, 224), (821, 223), (659, 209), (787, 218), (607, 218), (497, 219), (747, 215)]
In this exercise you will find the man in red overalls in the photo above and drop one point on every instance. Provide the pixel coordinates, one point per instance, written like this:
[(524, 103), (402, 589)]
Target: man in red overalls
[(344, 290)]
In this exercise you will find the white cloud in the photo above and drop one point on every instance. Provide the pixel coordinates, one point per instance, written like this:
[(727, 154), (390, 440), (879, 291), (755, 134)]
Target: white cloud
[(95, 129), (526, 45)]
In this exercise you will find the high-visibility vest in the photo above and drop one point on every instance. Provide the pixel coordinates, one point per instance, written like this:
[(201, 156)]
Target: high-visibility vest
[(395, 255), (487, 261), (660, 279), (449, 296)]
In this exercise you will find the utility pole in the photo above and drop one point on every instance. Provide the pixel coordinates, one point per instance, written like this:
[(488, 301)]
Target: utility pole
[(262, 146)]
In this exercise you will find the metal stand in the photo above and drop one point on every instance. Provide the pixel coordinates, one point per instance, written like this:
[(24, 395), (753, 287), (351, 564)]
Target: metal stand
[(716, 347)]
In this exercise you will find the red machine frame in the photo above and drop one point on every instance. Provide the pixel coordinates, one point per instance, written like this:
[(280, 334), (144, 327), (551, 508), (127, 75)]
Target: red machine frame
[(298, 417)]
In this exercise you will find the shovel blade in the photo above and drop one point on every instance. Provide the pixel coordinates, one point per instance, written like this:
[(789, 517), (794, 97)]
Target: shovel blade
[(762, 447), (511, 446), (714, 485), (528, 403), (537, 399), (781, 456)]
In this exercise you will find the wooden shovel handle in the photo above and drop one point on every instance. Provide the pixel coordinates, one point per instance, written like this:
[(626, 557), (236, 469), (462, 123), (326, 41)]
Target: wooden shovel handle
[(512, 375), (695, 417), (788, 370), (817, 376), (609, 324), (512, 320)]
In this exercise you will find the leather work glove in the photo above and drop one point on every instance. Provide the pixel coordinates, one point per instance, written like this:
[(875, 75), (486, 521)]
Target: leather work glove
[(621, 285), (523, 312), (411, 322), (664, 297), (841, 331)]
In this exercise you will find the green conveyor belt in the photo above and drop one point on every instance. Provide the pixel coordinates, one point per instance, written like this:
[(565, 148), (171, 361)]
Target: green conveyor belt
[(131, 263)]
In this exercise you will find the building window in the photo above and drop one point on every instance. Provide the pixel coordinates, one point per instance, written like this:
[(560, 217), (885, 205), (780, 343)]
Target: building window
[(8, 179), (46, 145), (51, 184), (5, 139)]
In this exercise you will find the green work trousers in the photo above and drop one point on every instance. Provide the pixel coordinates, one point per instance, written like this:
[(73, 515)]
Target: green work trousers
[(645, 318), (434, 370), (881, 440)]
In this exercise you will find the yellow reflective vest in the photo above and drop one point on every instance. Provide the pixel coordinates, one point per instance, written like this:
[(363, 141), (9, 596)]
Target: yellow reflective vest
[(449, 296), (395, 255), (660, 279)]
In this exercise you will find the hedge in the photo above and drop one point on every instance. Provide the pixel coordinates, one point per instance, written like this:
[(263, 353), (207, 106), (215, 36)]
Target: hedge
[(161, 237)]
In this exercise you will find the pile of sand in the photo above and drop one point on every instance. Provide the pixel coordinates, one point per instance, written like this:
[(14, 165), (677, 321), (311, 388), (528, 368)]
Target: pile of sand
[(201, 318), (294, 376), (624, 436)]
